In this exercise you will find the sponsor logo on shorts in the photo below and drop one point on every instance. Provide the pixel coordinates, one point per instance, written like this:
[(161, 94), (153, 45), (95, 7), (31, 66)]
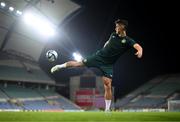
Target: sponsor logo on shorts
[(85, 60)]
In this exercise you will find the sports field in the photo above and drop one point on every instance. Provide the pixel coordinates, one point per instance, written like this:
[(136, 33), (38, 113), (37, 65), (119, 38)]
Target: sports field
[(89, 116)]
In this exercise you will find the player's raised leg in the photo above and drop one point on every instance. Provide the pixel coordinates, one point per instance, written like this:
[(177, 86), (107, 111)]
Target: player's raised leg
[(108, 92), (66, 65)]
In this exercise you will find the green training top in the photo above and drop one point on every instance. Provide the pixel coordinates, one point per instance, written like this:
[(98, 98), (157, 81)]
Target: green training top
[(114, 48)]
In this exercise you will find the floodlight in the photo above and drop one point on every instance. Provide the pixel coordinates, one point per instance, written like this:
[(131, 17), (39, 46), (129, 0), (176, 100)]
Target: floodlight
[(18, 12), (77, 56), (11, 8), (40, 23), (3, 4)]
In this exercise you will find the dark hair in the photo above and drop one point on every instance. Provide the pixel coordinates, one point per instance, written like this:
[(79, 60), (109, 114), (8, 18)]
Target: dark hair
[(122, 21)]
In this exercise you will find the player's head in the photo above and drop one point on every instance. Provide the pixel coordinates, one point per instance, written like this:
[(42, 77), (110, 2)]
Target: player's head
[(121, 25)]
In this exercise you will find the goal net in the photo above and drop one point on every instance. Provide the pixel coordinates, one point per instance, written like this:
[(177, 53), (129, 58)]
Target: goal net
[(174, 105)]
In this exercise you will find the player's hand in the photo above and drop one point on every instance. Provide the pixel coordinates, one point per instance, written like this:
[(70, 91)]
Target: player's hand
[(138, 54), (55, 68), (138, 49)]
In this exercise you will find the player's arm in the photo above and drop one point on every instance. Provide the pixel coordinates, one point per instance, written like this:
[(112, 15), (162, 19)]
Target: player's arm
[(139, 50)]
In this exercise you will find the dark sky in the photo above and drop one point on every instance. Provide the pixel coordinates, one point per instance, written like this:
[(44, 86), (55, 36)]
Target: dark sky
[(151, 24)]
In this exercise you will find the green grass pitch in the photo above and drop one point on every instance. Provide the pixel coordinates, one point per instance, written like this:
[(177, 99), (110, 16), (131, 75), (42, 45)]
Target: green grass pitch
[(89, 117)]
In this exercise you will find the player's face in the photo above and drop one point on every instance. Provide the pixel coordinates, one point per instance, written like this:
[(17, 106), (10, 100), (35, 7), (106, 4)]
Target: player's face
[(119, 28)]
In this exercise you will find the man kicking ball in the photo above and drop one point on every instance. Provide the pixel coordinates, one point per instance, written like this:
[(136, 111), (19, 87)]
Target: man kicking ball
[(104, 59)]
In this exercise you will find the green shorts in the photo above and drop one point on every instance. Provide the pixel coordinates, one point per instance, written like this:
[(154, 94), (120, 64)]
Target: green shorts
[(98, 62)]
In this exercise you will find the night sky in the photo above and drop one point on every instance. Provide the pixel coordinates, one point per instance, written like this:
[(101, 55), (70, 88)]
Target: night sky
[(151, 24)]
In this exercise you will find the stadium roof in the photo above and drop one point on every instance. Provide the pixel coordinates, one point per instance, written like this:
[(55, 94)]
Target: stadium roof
[(16, 35), (20, 44)]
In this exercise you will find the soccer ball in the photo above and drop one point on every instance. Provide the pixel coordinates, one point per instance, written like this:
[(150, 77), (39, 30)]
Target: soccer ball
[(51, 55)]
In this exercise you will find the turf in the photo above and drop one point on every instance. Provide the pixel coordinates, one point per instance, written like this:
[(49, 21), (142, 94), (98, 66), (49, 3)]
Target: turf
[(89, 117)]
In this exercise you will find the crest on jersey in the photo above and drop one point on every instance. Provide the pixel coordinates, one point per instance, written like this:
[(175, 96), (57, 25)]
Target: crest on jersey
[(113, 36), (123, 41)]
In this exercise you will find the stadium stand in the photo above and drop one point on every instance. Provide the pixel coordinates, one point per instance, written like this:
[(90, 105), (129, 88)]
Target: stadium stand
[(153, 94), (14, 96), (25, 86)]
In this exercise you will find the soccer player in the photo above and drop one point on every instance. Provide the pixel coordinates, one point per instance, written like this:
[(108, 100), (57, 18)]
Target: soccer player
[(104, 58)]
